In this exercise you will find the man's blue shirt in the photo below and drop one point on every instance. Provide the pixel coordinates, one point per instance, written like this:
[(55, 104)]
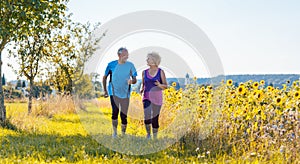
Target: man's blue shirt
[(120, 75)]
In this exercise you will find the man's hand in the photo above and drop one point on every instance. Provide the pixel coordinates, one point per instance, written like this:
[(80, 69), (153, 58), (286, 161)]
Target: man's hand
[(105, 94), (129, 82)]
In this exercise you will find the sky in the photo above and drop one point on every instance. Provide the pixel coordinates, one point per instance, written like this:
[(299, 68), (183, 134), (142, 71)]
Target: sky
[(250, 36)]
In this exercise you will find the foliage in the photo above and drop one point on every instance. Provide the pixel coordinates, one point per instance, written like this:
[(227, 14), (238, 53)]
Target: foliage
[(41, 90), (84, 87), (19, 19), (3, 80), (70, 48), (19, 84), (12, 93)]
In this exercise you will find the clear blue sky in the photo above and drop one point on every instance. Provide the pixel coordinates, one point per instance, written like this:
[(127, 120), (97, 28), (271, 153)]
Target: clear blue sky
[(251, 36)]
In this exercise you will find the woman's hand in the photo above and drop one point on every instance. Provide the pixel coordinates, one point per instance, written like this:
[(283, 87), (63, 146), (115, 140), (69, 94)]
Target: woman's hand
[(157, 83), (141, 91)]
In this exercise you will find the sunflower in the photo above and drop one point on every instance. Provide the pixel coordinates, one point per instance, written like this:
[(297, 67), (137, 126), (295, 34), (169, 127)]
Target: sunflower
[(241, 89), (297, 95), (262, 82), (270, 88), (209, 101), (167, 92), (254, 93), (202, 101), (284, 87), (174, 84), (278, 101), (229, 82), (294, 84), (179, 97), (255, 85), (195, 78), (259, 96)]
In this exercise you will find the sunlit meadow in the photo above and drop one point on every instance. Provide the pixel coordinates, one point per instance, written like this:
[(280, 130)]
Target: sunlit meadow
[(250, 122)]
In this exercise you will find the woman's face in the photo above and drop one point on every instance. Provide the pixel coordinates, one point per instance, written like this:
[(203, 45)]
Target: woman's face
[(150, 61)]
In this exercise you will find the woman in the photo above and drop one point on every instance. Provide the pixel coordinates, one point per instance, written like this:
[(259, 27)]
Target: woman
[(153, 82)]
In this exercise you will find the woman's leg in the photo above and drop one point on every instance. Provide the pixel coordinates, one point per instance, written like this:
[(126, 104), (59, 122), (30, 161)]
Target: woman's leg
[(147, 117), (155, 123)]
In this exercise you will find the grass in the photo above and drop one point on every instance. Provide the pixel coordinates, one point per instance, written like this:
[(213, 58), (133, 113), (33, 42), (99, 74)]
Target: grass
[(64, 138)]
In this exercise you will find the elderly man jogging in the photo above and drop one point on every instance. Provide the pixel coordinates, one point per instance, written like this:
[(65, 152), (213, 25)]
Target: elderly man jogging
[(122, 74)]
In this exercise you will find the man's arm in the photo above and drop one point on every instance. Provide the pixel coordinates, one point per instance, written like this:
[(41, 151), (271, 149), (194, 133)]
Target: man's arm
[(133, 74), (104, 86), (133, 81)]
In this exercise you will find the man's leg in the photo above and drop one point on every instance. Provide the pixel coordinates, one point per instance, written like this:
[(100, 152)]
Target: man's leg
[(115, 112), (124, 103)]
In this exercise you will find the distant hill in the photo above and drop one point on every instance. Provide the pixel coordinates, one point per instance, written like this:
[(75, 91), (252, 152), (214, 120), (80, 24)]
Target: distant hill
[(275, 80)]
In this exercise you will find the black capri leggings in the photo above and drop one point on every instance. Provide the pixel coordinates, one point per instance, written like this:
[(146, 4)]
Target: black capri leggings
[(117, 102), (151, 113)]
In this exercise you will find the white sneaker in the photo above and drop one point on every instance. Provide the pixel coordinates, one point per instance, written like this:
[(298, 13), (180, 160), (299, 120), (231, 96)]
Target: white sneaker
[(114, 135), (148, 136)]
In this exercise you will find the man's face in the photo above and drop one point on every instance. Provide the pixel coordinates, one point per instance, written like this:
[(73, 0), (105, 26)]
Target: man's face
[(124, 55)]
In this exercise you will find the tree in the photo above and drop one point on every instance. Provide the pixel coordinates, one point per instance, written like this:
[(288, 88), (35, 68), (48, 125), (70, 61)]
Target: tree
[(30, 54), (23, 84), (19, 84), (28, 23), (84, 87), (70, 51), (98, 86), (3, 80)]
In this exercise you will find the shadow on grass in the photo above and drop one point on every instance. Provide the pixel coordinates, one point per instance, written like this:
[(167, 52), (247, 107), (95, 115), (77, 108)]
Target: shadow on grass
[(134, 145), (106, 113), (8, 125), (61, 120), (53, 148), (43, 147)]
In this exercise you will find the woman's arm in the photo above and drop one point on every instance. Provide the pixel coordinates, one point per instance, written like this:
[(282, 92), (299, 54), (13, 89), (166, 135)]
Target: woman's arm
[(143, 80), (164, 84)]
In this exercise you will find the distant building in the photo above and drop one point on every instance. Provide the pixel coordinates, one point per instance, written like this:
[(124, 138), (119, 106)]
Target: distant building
[(187, 79), (21, 83)]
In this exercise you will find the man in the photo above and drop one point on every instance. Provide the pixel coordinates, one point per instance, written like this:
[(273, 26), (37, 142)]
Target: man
[(122, 75)]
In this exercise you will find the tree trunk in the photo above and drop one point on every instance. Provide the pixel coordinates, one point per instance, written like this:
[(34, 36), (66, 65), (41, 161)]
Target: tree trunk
[(30, 96), (2, 107), (70, 86)]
